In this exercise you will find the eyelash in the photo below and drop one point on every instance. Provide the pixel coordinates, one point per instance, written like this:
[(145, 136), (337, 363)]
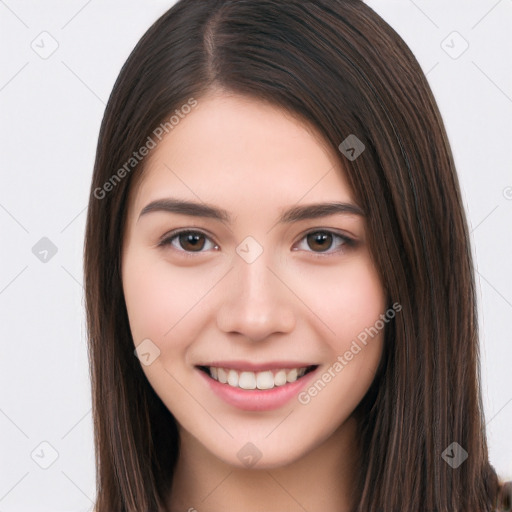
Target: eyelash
[(347, 242)]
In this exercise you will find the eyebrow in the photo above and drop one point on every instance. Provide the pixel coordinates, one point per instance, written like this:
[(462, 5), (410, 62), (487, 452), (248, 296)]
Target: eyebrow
[(294, 214)]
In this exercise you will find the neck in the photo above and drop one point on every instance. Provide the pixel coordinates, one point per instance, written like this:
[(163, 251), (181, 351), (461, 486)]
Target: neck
[(321, 479)]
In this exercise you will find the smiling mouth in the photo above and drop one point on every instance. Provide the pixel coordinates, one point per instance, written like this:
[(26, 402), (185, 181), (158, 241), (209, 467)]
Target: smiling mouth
[(267, 379)]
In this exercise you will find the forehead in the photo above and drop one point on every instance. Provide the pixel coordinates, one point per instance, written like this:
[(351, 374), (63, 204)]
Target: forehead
[(243, 152)]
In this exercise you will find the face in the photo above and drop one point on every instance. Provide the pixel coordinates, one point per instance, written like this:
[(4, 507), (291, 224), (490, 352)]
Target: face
[(250, 284)]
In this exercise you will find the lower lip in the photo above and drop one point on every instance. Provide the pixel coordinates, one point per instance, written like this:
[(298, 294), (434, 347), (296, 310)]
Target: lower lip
[(258, 399)]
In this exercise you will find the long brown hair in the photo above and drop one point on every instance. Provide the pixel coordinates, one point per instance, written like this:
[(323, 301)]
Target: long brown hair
[(337, 65)]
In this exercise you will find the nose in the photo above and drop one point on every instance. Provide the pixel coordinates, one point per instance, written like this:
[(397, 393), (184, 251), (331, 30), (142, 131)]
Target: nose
[(255, 301)]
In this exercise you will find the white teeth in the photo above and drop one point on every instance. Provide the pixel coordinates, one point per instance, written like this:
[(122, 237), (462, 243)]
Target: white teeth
[(247, 380), (280, 378), (221, 376), (251, 380), (265, 380), (233, 378), (291, 376)]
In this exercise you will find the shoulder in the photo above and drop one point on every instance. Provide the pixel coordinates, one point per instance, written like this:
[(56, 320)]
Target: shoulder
[(505, 496)]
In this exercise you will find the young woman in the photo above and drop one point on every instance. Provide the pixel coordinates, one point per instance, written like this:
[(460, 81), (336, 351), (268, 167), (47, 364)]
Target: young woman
[(279, 286)]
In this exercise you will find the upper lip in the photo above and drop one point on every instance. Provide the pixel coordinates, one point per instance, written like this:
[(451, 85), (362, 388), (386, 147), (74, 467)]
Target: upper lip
[(257, 367)]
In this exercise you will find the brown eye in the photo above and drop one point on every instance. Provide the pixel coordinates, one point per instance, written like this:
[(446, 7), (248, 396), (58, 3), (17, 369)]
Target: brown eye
[(320, 240), (325, 243), (192, 241), (188, 241)]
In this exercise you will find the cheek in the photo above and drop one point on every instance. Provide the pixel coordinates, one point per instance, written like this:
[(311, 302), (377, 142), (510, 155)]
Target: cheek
[(155, 308), (362, 299), (348, 299), (147, 299), (351, 305)]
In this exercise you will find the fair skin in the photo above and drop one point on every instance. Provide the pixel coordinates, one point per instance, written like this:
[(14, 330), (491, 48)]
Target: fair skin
[(302, 299)]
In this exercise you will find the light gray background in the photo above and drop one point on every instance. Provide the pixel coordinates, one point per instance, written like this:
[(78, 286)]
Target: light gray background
[(51, 111)]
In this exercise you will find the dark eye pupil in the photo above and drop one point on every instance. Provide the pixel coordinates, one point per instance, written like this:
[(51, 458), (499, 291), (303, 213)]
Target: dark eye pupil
[(193, 240), (321, 239)]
